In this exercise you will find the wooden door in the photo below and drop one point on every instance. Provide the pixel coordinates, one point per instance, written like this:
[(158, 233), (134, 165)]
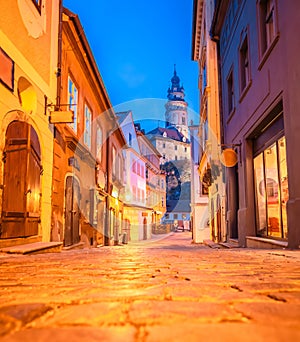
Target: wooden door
[(22, 172), (72, 212), (145, 229)]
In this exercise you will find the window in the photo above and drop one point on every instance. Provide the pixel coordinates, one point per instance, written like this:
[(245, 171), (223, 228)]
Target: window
[(204, 78), (143, 171), (114, 161), (134, 167), (271, 190), (244, 64), (99, 142), (130, 139), (175, 147), (164, 145), (6, 70), (267, 22), (73, 101), (138, 169), (183, 121), (87, 126), (175, 216), (38, 4), (119, 168), (230, 92), (185, 149)]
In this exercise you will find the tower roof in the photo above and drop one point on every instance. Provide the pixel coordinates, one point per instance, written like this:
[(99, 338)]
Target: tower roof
[(176, 91), (175, 79)]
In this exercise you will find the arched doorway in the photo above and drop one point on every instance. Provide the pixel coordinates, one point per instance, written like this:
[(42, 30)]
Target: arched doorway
[(71, 235), (22, 172)]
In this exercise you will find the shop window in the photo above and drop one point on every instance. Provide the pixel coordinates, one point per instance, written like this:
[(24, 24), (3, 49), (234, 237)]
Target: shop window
[(271, 190)]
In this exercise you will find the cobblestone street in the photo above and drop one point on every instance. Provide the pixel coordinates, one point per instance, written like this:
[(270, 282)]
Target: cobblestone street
[(164, 290)]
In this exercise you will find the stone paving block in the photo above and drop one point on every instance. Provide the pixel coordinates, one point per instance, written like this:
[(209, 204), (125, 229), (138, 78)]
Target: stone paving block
[(75, 334), (15, 316), (94, 314), (157, 312), (226, 332), (272, 312)]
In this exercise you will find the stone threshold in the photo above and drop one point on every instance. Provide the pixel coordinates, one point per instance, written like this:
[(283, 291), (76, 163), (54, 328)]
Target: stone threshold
[(33, 248), (78, 245), (212, 244), (260, 242)]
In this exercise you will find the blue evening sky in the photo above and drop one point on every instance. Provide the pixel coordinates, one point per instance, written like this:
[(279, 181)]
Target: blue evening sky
[(136, 44)]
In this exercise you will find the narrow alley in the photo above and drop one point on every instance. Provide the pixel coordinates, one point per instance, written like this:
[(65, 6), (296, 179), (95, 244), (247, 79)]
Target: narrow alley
[(164, 290)]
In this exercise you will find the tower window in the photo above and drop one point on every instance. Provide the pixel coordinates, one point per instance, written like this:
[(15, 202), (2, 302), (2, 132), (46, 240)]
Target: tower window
[(183, 121)]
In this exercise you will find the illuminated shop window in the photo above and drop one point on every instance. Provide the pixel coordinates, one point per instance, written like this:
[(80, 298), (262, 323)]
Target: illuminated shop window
[(271, 190)]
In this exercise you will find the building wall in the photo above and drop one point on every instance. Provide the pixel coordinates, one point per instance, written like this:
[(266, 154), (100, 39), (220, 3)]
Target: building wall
[(199, 201), (207, 142), (172, 149), (73, 155), (268, 87), (30, 40)]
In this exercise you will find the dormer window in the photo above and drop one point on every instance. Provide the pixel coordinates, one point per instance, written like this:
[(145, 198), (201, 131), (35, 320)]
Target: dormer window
[(165, 134)]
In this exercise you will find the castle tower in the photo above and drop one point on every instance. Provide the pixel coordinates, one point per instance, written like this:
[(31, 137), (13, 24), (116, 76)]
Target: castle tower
[(176, 107)]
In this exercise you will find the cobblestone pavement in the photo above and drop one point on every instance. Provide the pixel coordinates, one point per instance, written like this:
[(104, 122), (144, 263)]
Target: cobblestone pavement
[(166, 290)]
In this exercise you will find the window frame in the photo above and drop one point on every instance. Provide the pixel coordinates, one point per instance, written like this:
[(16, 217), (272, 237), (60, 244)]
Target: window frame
[(87, 135), (99, 142), (38, 5), (230, 93), (73, 103), (244, 66), (266, 45)]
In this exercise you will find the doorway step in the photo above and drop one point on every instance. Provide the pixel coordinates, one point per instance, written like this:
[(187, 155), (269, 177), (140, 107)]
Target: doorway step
[(212, 244), (231, 243), (259, 242), (34, 248), (79, 245)]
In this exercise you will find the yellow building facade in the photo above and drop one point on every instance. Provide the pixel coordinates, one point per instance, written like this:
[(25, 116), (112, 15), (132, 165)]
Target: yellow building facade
[(28, 76)]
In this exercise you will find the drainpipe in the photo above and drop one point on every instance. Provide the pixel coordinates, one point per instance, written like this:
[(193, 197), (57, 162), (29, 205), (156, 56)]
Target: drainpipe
[(59, 57), (107, 214)]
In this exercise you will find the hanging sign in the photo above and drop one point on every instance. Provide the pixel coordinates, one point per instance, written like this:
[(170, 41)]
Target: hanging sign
[(229, 157)]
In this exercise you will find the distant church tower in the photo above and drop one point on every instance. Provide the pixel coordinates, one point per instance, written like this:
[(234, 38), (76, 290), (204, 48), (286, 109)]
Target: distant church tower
[(176, 108)]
